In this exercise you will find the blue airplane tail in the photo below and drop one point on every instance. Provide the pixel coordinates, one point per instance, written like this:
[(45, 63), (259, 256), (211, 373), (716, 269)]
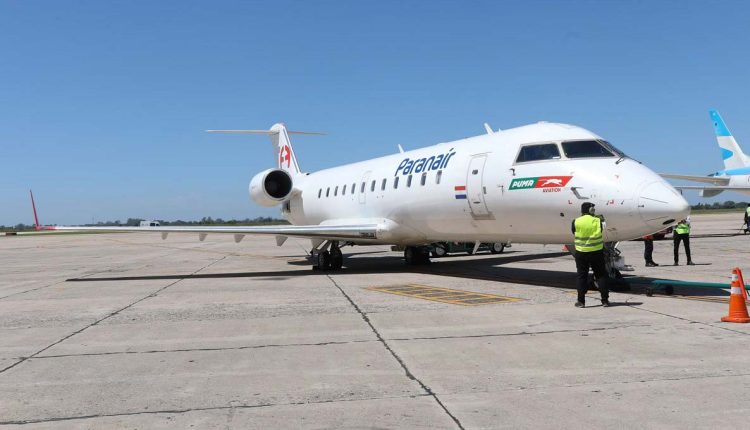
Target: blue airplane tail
[(731, 152)]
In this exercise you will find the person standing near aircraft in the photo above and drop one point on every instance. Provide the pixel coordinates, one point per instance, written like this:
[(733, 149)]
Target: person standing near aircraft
[(648, 252), (682, 234), (747, 218), (589, 245)]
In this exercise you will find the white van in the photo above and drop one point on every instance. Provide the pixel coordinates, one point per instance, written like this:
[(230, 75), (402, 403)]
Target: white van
[(150, 224)]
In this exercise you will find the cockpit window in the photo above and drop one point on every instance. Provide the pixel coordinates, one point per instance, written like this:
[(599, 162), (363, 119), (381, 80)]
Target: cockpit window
[(546, 151), (590, 149)]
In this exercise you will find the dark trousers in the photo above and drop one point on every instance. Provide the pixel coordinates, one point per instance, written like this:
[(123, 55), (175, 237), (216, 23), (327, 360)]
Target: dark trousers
[(684, 238), (595, 261), (648, 252)]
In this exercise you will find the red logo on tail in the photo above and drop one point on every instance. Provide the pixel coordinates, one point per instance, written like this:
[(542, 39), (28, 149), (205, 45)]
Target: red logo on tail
[(285, 155)]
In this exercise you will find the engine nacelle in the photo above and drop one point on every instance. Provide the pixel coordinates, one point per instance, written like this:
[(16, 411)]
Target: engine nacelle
[(270, 187)]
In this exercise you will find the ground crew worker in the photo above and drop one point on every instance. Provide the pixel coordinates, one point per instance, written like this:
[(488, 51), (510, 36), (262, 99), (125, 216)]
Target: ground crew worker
[(747, 218), (682, 234), (648, 252), (589, 245)]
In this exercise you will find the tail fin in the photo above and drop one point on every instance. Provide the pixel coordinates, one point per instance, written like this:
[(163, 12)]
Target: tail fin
[(731, 152), (37, 226), (282, 146)]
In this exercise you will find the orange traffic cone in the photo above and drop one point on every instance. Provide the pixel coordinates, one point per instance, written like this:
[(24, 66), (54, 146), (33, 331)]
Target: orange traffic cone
[(737, 306)]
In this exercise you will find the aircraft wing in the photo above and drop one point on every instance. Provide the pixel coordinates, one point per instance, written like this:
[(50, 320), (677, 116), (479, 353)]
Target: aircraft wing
[(332, 232), (715, 180)]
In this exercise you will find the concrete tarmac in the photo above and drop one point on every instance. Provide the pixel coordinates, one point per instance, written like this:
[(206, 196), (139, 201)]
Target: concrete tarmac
[(129, 331)]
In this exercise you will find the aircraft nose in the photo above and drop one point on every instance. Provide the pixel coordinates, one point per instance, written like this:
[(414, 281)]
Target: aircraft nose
[(661, 205)]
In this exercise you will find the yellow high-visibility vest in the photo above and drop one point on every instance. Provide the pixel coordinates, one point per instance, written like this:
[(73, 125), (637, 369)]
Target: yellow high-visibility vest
[(682, 228), (588, 237), (747, 211)]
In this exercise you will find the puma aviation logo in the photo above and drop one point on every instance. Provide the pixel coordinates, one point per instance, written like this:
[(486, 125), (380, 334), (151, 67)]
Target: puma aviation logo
[(552, 183)]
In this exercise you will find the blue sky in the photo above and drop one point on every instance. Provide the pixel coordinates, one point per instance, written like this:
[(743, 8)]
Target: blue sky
[(103, 103)]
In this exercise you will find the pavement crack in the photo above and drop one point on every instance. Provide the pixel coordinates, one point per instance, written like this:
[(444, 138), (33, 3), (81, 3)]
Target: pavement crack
[(400, 361), (231, 406), (110, 315), (227, 348), (522, 333), (687, 319), (638, 381)]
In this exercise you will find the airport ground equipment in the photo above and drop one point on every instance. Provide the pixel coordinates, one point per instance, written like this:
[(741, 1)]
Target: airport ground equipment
[(441, 249)]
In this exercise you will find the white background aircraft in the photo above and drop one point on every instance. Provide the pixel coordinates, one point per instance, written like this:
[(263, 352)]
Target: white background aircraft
[(524, 184), (736, 173)]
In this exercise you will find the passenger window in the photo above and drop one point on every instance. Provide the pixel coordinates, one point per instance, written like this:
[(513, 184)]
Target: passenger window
[(320, 191), (438, 176), (362, 188), (546, 151), (336, 191), (424, 179), (372, 185), (354, 187), (328, 191), (408, 181), (343, 190), (395, 183), (585, 149), (382, 186)]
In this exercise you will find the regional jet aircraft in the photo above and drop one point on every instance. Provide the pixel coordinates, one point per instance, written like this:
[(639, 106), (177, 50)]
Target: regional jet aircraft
[(524, 184), (736, 173)]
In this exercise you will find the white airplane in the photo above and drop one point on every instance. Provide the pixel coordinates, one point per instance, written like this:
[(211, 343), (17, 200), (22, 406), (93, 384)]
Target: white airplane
[(524, 185), (736, 173)]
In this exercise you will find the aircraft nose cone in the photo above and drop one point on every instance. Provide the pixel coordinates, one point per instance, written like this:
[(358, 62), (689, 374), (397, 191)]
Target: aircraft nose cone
[(661, 205)]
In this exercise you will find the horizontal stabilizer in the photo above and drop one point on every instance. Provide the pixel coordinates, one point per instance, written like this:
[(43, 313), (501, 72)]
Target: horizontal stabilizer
[(267, 132), (717, 188), (716, 180)]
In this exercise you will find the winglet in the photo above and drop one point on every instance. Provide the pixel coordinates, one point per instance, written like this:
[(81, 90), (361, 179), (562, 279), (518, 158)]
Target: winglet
[(36, 218), (720, 128)]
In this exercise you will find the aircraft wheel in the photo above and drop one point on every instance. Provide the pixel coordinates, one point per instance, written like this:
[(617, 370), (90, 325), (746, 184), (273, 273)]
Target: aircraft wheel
[(410, 255), (337, 260), (439, 250), (414, 255), (324, 261), (497, 248)]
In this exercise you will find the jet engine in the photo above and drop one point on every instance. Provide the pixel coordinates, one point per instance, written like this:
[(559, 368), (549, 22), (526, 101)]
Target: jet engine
[(270, 187)]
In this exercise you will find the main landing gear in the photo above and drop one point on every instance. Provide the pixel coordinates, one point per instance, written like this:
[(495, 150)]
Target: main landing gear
[(417, 255), (327, 256)]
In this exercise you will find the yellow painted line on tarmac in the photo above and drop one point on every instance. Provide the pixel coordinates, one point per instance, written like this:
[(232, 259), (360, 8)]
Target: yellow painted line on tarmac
[(444, 295)]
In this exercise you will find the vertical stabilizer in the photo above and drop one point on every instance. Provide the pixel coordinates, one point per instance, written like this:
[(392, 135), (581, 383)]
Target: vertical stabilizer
[(282, 147), (731, 152)]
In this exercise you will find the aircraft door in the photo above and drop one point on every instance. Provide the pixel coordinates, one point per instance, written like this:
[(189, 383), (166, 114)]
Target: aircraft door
[(363, 188), (475, 188)]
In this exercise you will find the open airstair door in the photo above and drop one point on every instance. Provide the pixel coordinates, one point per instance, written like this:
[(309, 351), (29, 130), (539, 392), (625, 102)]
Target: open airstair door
[(475, 188)]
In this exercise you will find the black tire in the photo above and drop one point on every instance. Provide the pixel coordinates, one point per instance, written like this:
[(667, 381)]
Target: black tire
[(337, 260), (410, 255), (324, 260), (497, 248), (439, 250)]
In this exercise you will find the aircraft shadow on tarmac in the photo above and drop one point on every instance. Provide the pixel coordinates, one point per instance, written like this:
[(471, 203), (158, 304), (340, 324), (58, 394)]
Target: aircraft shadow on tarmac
[(481, 267)]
